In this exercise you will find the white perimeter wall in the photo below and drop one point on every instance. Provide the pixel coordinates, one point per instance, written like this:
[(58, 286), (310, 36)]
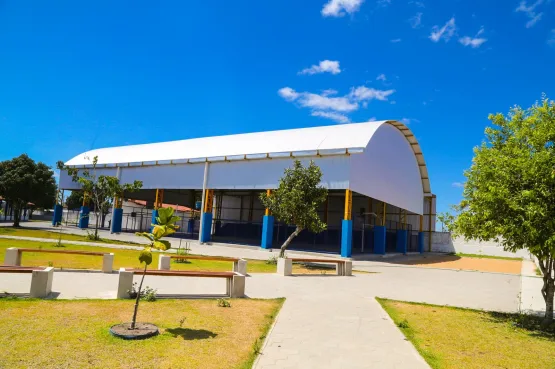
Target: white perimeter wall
[(443, 242)]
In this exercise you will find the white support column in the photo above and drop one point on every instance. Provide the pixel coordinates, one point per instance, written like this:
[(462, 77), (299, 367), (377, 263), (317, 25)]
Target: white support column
[(164, 262), (204, 183), (125, 283), (348, 271), (284, 266), (41, 282), (107, 263), (238, 286), (240, 266), (13, 257)]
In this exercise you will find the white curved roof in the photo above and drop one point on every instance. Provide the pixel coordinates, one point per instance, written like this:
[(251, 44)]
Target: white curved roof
[(316, 141)]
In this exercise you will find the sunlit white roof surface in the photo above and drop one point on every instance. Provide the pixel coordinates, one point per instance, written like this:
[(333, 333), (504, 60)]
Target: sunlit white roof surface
[(380, 159)]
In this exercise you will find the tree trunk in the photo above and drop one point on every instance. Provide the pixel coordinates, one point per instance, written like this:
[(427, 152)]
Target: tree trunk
[(96, 226), (548, 289), (16, 215), (137, 299), (288, 241)]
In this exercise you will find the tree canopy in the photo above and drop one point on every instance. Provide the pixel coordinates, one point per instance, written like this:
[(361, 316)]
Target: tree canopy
[(297, 198), (510, 188), (22, 181)]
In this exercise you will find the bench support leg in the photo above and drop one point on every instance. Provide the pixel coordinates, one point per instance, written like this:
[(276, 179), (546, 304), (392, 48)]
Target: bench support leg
[(240, 266), (348, 271), (107, 263), (125, 283), (13, 257), (238, 286), (284, 266), (41, 282), (164, 262), (340, 269)]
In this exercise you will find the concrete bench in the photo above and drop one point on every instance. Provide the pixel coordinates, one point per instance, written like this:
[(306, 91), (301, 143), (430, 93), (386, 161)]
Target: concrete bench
[(13, 256), (41, 278), (343, 267), (239, 265), (235, 282)]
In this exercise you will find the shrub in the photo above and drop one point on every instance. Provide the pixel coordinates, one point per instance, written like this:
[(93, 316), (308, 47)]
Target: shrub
[(224, 303)]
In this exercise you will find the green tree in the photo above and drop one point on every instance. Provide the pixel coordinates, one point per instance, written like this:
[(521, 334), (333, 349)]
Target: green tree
[(101, 189), (22, 181), (74, 200), (296, 200), (165, 226), (510, 187)]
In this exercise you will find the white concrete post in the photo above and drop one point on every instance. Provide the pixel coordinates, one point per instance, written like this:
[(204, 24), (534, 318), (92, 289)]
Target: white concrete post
[(41, 282), (107, 263), (348, 268), (164, 262), (13, 257), (237, 286), (284, 266), (339, 269), (240, 266), (125, 283)]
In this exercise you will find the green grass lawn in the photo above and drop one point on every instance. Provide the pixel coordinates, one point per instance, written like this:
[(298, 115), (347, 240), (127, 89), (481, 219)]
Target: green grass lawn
[(456, 338), (53, 235), (480, 256), (75, 333)]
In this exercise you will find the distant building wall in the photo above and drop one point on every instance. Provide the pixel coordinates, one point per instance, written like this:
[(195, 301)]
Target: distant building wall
[(443, 242)]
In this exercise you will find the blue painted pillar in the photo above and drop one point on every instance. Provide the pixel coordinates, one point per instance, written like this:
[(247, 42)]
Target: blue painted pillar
[(84, 217), (346, 238), (57, 217), (191, 226), (267, 231), (153, 221), (117, 218), (379, 240), (206, 227), (402, 239), (421, 242)]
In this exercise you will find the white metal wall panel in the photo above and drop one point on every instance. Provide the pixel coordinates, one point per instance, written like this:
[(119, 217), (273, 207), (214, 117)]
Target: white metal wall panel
[(388, 170), (265, 174), (180, 176), (66, 183)]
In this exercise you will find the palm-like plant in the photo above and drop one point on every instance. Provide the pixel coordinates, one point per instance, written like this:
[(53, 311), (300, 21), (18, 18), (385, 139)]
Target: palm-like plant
[(166, 225)]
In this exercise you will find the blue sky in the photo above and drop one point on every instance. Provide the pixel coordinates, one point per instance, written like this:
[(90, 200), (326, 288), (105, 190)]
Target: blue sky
[(76, 75)]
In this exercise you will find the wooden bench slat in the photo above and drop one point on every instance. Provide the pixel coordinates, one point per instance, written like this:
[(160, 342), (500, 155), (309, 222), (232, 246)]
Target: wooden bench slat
[(184, 273), (16, 269), (318, 260), (202, 257), (74, 252)]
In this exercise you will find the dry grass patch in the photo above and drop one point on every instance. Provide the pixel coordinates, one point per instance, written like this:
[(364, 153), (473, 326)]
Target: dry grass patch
[(461, 338), (74, 334)]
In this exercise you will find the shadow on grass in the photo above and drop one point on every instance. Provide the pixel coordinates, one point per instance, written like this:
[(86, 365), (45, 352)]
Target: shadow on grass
[(191, 334), (529, 323)]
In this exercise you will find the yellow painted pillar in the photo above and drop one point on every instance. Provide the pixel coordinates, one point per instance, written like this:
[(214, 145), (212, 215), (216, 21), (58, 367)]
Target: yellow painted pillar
[(267, 211), (384, 213), (348, 204), (347, 226)]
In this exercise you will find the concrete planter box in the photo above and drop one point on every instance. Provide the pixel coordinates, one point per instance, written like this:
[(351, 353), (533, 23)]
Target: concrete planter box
[(284, 266)]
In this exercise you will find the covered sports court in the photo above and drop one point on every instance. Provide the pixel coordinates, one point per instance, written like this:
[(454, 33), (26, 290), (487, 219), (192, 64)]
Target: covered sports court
[(379, 201)]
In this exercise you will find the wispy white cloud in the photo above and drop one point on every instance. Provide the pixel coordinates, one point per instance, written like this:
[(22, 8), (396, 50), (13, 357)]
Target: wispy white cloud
[(381, 77), (395, 40), (416, 20), (551, 39), (383, 3), (328, 105), (418, 4), (338, 117), (445, 32), (363, 93), (530, 11), (408, 121), (475, 41), (457, 184), (338, 8), (318, 102), (325, 66)]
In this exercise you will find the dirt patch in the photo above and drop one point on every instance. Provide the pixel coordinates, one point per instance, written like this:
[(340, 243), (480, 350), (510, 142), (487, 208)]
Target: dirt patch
[(467, 263)]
